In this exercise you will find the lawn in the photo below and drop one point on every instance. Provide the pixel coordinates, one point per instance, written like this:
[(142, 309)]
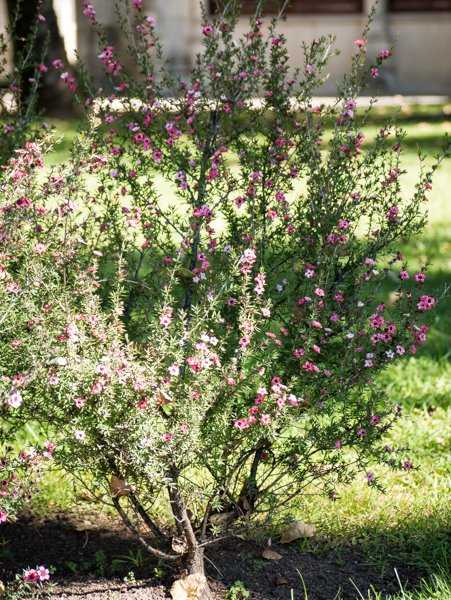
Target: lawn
[(406, 528)]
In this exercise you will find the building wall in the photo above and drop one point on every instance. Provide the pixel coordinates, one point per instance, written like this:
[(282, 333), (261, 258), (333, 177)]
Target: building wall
[(422, 41), (422, 52)]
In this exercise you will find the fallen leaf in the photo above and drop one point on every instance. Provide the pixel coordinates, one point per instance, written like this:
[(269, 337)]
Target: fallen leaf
[(271, 554), (119, 487), (281, 581), (295, 531), (192, 587)]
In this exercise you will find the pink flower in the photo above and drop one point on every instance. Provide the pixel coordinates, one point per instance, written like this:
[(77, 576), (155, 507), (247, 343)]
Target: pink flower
[(298, 352), (43, 573), (31, 576), (143, 403), (260, 281), (247, 261), (3, 516), (174, 370), (310, 367), (241, 424), (79, 402), (14, 399), (374, 71), (98, 387), (293, 400), (89, 11), (207, 30), (244, 342), (166, 317), (137, 4), (360, 43), (23, 202), (377, 321), (403, 275), (383, 54), (392, 214), (167, 437), (320, 292), (57, 64), (79, 435), (69, 80), (265, 419), (49, 449), (420, 277), (426, 303)]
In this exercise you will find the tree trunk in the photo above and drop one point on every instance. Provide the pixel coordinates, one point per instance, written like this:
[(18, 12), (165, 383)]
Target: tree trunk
[(196, 561), (195, 585)]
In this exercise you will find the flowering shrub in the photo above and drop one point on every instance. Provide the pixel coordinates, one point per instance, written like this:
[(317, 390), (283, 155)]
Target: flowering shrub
[(190, 306)]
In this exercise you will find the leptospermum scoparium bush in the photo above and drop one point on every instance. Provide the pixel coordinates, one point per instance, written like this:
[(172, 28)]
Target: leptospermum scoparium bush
[(189, 305)]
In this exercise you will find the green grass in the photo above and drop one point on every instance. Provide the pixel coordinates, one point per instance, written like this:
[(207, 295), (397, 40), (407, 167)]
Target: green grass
[(410, 524)]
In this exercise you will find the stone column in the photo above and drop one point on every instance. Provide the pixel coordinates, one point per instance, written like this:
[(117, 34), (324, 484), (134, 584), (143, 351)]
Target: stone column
[(174, 23), (87, 40), (379, 37), (3, 31)]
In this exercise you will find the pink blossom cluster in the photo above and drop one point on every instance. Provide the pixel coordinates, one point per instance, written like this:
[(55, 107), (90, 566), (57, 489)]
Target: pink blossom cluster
[(37, 575), (268, 405), (205, 357), (113, 66), (247, 261)]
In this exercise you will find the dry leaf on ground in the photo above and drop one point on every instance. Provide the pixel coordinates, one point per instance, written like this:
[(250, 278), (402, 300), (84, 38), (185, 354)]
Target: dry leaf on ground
[(271, 554)]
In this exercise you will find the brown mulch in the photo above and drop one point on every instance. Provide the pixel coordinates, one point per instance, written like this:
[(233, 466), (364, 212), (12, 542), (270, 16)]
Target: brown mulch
[(92, 554)]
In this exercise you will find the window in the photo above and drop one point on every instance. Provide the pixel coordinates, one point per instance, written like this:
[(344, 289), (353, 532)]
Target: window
[(419, 5), (301, 6)]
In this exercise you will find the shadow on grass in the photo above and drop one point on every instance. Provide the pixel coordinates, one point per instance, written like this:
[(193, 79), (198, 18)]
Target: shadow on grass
[(89, 553)]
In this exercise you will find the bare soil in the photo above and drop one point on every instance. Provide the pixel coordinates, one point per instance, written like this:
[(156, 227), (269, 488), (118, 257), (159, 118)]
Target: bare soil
[(92, 555)]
